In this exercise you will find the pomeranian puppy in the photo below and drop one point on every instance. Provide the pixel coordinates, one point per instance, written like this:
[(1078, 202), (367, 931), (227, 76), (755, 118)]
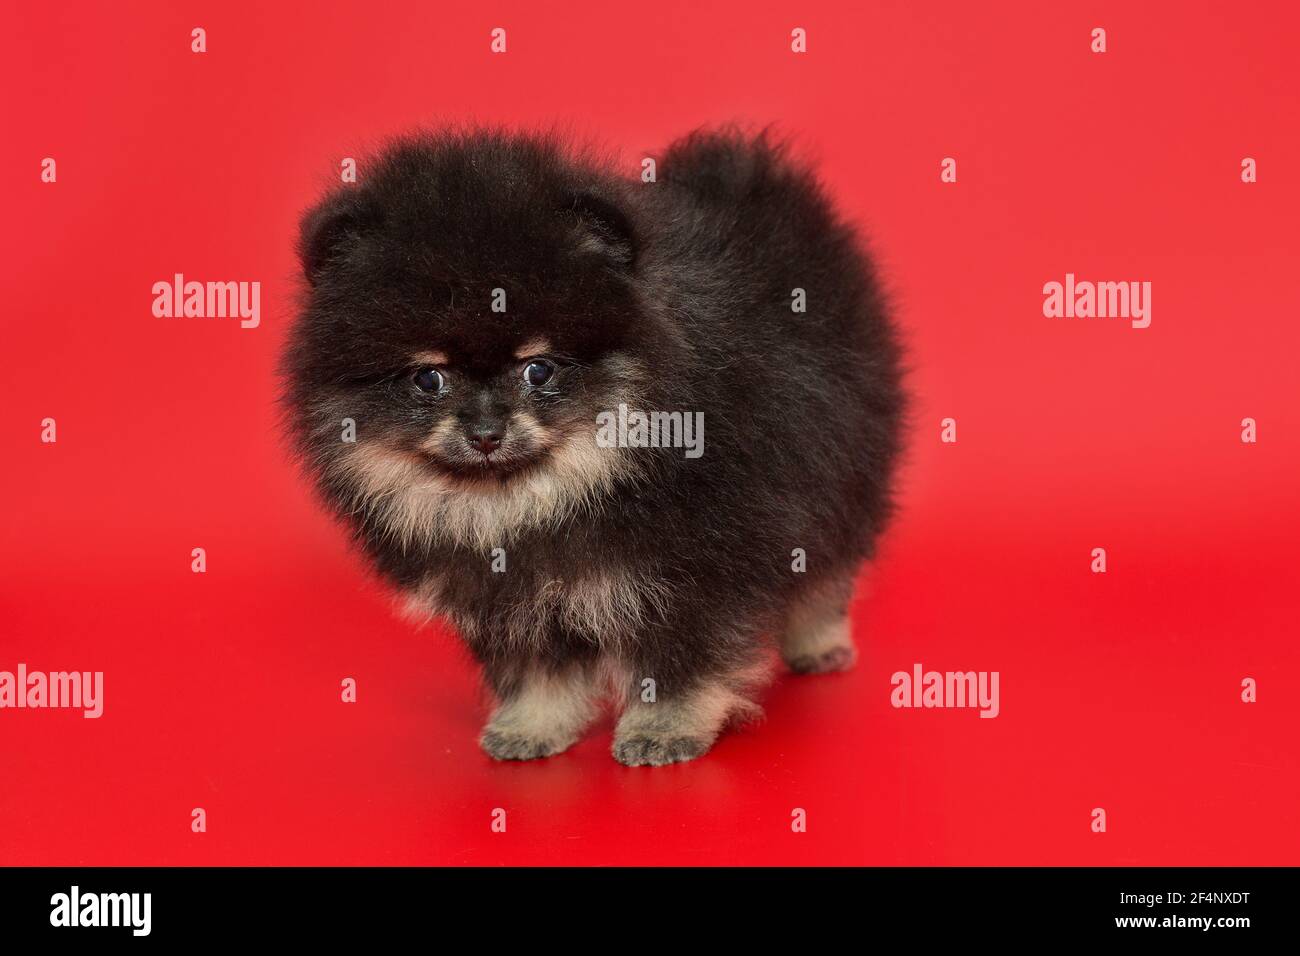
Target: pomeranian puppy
[(505, 368)]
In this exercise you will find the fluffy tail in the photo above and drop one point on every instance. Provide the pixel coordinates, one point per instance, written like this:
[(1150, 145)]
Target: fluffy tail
[(729, 166)]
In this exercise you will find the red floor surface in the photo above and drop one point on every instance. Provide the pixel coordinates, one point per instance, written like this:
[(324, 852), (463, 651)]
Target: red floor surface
[(1120, 691)]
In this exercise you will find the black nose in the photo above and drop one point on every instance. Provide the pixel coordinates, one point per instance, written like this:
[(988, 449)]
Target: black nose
[(486, 438)]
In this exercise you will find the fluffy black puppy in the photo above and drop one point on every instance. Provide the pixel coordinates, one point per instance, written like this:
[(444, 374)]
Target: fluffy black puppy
[(497, 326)]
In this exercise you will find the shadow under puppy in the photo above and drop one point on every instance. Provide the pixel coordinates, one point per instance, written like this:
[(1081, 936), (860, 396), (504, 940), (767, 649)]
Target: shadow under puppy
[(484, 304)]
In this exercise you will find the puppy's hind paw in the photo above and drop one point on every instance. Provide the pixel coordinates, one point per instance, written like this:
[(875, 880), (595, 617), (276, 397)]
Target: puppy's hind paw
[(825, 662), (512, 745), (645, 750)]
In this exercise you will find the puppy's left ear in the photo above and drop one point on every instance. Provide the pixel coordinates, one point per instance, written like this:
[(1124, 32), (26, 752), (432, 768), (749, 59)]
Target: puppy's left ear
[(605, 229)]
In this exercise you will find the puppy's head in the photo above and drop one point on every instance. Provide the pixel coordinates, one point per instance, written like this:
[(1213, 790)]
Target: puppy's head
[(472, 306)]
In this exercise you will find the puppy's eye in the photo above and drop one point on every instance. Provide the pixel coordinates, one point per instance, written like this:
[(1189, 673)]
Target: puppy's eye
[(428, 380), (538, 372)]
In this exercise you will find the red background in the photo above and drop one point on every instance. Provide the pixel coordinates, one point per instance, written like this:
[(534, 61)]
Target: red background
[(1119, 691)]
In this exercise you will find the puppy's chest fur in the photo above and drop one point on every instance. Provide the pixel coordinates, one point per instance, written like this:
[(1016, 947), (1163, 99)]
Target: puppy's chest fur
[(540, 601)]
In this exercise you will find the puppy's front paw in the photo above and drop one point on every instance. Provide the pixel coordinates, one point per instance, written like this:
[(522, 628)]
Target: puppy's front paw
[(641, 750), (544, 715), (514, 745)]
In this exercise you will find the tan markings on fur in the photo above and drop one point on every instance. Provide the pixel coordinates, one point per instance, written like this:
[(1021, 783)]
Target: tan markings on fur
[(422, 604), (414, 505), (614, 678), (563, 703), (429, 358), (612, 605), (527, 428), (440, 434), (605, 609), (533, 347)]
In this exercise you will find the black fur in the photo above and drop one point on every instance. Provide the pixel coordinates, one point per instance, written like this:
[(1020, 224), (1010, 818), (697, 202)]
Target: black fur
[(676, 293)]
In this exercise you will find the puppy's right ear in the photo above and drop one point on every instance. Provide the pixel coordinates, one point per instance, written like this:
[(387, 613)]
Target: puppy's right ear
[(326, 230), (604, 228)]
